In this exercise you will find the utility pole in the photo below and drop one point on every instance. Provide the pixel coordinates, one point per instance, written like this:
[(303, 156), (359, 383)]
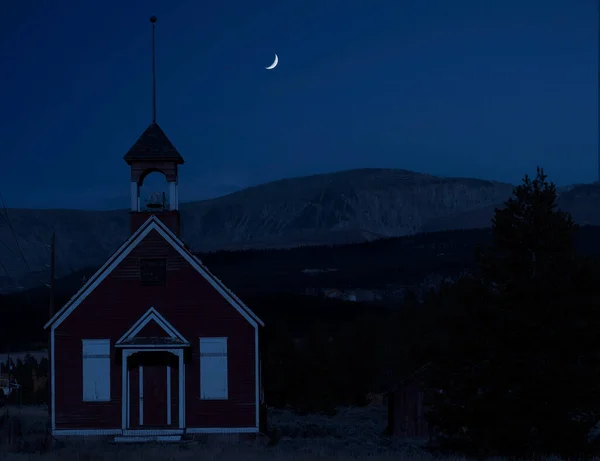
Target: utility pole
[(50, 314)]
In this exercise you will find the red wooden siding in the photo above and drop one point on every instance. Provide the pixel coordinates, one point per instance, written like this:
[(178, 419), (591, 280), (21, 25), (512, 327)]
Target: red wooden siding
[(191, 305)]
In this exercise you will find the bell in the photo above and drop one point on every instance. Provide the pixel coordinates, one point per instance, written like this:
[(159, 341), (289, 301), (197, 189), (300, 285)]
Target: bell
[(154, 201)]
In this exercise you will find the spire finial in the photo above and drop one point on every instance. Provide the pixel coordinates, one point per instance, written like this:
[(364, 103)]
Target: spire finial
[(153, 21)]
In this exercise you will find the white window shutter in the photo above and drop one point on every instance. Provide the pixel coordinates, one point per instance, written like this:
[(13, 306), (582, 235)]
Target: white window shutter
[(96, 370), (213, 369)]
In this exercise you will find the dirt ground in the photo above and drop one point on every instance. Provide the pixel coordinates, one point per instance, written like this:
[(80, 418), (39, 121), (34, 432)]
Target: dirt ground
[(352, 434)]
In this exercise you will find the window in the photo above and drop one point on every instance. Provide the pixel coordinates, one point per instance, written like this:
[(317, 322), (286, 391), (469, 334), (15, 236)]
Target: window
[(213, 369), (96, 370), (153, 271)]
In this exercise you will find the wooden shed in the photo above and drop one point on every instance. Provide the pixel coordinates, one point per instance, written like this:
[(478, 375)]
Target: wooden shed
[(406, 409)]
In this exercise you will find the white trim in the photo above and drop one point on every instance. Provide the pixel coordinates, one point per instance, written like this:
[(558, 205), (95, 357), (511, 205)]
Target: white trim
[(257, 375), (94, 281), (135, 193), (141, 394), (65, 432), (124, 391), (221, 430), (173, 205), (150, 347), (150, 315), (153, 431), (149, 438), (128, 407), (52, 380), (153, 223), (106, 356), (169, 395), (181, 390), (141, 432)]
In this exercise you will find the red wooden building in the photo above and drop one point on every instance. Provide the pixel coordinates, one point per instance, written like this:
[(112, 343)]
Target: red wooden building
[(406, 409), (153, 345)]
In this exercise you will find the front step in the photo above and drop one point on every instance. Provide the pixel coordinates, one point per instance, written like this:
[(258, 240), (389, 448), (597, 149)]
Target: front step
[(146, 438)]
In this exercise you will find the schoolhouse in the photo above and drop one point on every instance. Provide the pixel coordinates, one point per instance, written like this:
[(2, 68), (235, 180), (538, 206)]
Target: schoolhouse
[(154, 346)]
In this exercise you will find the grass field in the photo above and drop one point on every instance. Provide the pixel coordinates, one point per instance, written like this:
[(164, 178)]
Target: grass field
[(352, 434)]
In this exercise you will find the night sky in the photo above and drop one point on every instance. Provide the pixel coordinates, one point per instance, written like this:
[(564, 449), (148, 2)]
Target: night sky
[(487, 88)]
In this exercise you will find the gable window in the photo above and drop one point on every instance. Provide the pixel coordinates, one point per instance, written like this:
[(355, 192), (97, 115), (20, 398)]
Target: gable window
[(213, 369), (96, 370), (153, 271)]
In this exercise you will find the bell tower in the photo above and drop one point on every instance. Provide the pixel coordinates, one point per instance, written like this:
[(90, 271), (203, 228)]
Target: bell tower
[(154, 152)]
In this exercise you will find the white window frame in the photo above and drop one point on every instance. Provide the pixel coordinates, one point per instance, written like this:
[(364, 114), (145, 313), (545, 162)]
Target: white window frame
[(213, 359), (101, 366)]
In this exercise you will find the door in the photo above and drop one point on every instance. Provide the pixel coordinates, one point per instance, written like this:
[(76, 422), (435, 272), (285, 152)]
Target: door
[(151, 391), (155, 396)]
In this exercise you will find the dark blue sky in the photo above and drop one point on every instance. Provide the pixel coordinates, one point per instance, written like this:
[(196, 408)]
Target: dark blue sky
[(487, 88)]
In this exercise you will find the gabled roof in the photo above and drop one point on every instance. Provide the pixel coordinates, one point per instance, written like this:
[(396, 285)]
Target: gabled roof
[(153, 145), (153, 223), (151, 315)]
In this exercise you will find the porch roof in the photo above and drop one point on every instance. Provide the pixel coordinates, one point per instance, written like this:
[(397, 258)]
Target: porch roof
[(153, 341)]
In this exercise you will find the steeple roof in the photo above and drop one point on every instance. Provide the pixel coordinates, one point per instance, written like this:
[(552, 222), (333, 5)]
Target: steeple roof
[(153, 145)]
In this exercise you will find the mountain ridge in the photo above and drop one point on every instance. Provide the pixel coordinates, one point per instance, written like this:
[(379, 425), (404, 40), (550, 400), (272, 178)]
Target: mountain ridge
[(328, 208)]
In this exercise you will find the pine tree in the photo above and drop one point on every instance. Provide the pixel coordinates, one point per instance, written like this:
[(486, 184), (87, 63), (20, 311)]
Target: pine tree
[(515, 383), (532, 254)]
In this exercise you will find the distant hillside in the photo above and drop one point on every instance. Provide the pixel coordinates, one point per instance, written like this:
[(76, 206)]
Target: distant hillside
[(344, 207)]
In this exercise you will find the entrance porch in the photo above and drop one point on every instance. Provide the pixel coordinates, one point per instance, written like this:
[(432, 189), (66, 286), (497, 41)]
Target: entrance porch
[(153, 397), (153, 381)]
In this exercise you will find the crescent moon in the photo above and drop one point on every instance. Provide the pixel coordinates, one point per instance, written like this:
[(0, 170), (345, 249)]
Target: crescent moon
[(272, 66)]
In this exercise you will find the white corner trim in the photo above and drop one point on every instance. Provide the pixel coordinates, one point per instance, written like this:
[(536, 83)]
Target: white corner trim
[(169, 395), (153, 223), (182, 396), (150, 315), (257, 376), (221, 430), (140, 394), (125, 391), (52, 381)]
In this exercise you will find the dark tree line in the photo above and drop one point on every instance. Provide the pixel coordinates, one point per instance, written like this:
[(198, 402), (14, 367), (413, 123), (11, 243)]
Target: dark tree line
[(31, 377)]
